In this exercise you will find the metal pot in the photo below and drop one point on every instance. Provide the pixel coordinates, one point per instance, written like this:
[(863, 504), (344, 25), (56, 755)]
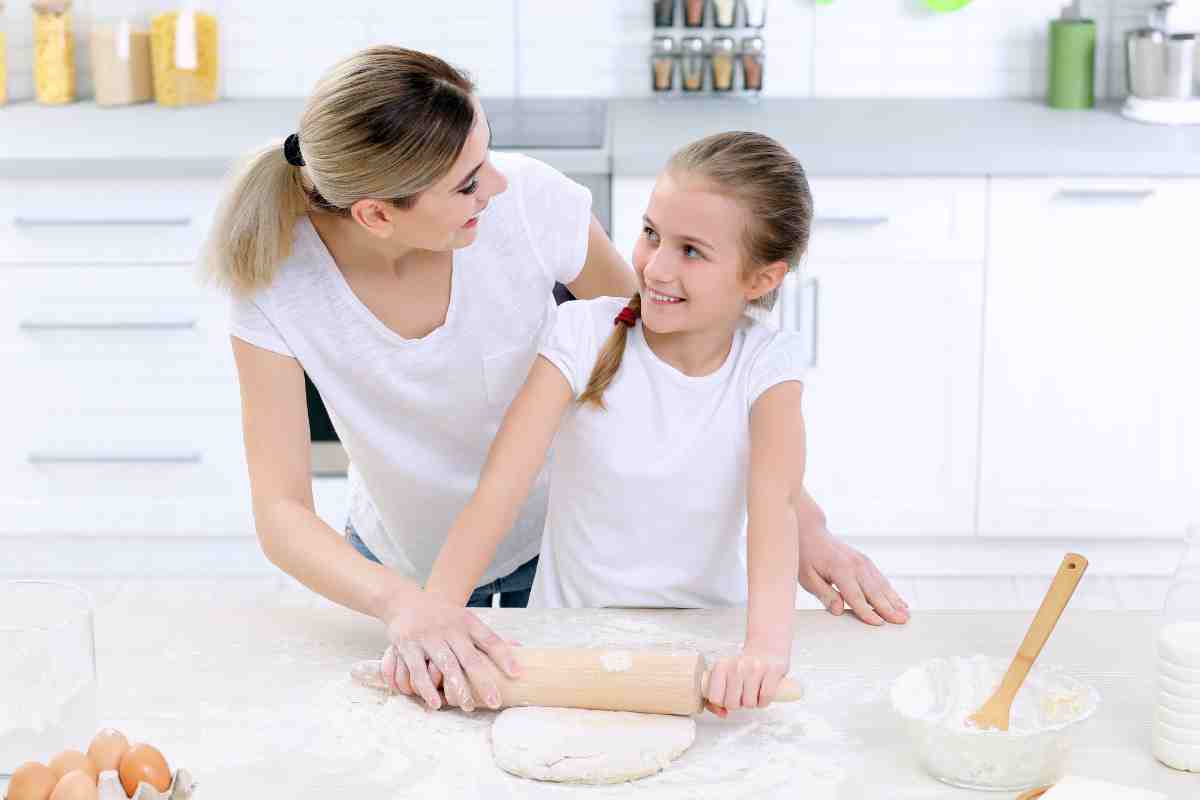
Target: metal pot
[(1161, 64)]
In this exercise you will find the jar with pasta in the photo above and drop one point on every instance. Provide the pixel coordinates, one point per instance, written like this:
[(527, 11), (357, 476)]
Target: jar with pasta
[(3, 56), (121, 71), (53, 52), (183, 52)]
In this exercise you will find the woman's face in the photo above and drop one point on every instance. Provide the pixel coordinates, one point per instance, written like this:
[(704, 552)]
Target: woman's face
[(446, 215), (688, 258)]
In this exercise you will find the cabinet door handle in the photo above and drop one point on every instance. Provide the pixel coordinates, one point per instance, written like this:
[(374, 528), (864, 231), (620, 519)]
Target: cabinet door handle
[(67, 222), (127, 325), (853, 222), (812, 310), (1103, 196), (115, 457)]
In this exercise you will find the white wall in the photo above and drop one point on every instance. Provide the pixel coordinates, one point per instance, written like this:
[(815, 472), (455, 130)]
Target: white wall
[(272, 48)]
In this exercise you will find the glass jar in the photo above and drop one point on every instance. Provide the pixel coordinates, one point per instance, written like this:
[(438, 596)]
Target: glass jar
[(121, 72), (664, 13), (693, 13), (3, 56), (724, 13), (756, 13), (663, 56), (753, 55), (183, 54), (691, 63), (1177, 689), (53, 52), (724, 63)]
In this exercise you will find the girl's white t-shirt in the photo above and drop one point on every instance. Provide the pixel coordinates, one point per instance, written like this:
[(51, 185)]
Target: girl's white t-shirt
[(417, 416), (648, 498)]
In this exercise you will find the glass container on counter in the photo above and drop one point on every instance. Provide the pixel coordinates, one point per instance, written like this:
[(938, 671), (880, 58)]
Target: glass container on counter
[(724, 63), (3, 56), (693, 13), (121, 71), (1177, 686), (753, 56), (756, 13), (663, 56), (691, 63), (724, 13), (664, 13), (53, 52), (183, 54)]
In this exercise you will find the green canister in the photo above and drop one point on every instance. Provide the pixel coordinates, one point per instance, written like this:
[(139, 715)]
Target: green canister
[(1072, 61)]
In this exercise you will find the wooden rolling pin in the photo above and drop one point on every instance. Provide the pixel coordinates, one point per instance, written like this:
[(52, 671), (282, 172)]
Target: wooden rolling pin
[(647, 681)]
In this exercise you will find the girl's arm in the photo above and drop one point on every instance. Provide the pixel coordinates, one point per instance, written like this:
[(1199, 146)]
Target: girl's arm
[(514, 460), (604, 273), (775, 480)]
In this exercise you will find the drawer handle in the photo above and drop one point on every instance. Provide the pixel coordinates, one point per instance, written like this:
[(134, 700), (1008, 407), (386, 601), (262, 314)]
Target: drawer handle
[(66, 222), (68, 457), (159, 325), (853, 222), (1115, 196)]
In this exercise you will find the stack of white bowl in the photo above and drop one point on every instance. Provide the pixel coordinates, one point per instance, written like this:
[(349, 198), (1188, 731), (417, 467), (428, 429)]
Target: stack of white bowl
[(1177, 689)]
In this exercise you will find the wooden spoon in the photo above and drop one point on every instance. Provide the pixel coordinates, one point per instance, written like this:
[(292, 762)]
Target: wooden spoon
[(1033, 794), (994, 713)]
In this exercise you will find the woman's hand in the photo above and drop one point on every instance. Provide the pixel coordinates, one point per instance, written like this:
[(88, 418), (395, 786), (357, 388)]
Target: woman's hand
[(749, 680), (438, 643)]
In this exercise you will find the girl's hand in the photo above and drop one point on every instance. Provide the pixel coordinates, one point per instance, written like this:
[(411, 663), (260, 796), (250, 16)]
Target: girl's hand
[(749, 680), (438, 643), (840, 576)]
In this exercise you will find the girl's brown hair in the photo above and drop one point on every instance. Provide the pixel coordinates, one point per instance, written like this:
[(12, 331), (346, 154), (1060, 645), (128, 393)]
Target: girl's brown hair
[(384, 123), (769, 185)]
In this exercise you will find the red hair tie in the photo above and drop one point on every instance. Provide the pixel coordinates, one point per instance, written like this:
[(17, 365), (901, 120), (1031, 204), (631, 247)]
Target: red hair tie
[(628, 317)]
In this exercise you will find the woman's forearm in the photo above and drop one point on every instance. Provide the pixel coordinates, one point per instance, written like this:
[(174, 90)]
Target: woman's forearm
[(300, 543)]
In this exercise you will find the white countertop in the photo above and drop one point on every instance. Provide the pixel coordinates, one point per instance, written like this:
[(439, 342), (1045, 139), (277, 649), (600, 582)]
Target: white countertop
[(237, 687)]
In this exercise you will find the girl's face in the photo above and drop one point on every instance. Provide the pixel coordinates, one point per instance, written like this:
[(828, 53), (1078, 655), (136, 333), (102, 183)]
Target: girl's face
[(446, 215), (689, 258)]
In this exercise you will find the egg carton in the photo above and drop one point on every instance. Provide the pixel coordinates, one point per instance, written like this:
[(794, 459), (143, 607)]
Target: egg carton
[(181, 788)]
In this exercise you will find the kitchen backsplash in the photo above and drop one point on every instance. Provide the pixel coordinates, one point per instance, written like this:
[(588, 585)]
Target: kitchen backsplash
[(863, 48)]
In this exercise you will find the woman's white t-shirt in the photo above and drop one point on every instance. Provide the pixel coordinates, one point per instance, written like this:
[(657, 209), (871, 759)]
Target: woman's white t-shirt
[(648, 498), (417, 416)]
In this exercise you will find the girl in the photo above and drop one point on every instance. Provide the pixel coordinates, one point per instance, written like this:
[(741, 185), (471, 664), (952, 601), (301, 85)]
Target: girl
[(675, 419)]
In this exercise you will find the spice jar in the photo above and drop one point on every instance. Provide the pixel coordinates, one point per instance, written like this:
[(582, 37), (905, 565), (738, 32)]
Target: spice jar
[(183, 54), (756, 13), (53, 52), (693, 13), (753, 55), (662, 63), (691, 63), (664, 13), (724, 13), (3, 56), (121, 72), (723, 63)]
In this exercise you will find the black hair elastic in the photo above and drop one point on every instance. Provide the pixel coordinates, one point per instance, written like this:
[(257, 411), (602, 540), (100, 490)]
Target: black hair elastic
[(291, 150)]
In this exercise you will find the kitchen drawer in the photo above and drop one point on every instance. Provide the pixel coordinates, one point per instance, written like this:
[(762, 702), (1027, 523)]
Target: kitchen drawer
[(64, 455), (134, 338), (105, 221), (898, 219)]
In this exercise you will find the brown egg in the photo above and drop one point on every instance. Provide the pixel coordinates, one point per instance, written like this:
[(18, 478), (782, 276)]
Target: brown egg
[(142, 762), (31, 781), (76, 785), (106, 749), (69, 760)]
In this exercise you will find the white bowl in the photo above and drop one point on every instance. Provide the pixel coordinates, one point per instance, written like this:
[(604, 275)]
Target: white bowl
[(1176, 672), (1178, 756), (1184, 705), (935, 697), (1178, 688), (1177, 719), (1175, 734)]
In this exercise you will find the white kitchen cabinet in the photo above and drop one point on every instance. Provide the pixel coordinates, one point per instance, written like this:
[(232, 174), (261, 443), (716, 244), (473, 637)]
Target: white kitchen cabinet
[(890, 302), (1091, 390)]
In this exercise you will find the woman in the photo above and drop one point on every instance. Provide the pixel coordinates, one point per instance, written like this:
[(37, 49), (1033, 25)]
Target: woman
[(385, 251)]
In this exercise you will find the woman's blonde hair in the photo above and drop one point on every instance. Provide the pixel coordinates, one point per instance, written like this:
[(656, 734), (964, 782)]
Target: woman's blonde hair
[(384, 123), (768, 184)]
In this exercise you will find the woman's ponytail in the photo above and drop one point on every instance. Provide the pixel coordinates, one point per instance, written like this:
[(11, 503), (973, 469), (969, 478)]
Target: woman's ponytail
[(252, 231)]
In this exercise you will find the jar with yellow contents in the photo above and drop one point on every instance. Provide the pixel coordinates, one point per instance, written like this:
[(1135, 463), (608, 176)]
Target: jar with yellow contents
[(53, 52), (183, 52)]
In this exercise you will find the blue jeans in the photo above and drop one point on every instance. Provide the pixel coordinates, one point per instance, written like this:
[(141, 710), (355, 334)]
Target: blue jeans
[(513, 588)]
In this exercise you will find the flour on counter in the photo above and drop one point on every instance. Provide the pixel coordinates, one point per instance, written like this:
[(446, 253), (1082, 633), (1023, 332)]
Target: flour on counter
[(616, 661)]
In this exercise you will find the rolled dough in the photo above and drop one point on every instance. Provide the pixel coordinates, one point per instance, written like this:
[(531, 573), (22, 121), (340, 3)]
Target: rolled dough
[(573, 745)]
